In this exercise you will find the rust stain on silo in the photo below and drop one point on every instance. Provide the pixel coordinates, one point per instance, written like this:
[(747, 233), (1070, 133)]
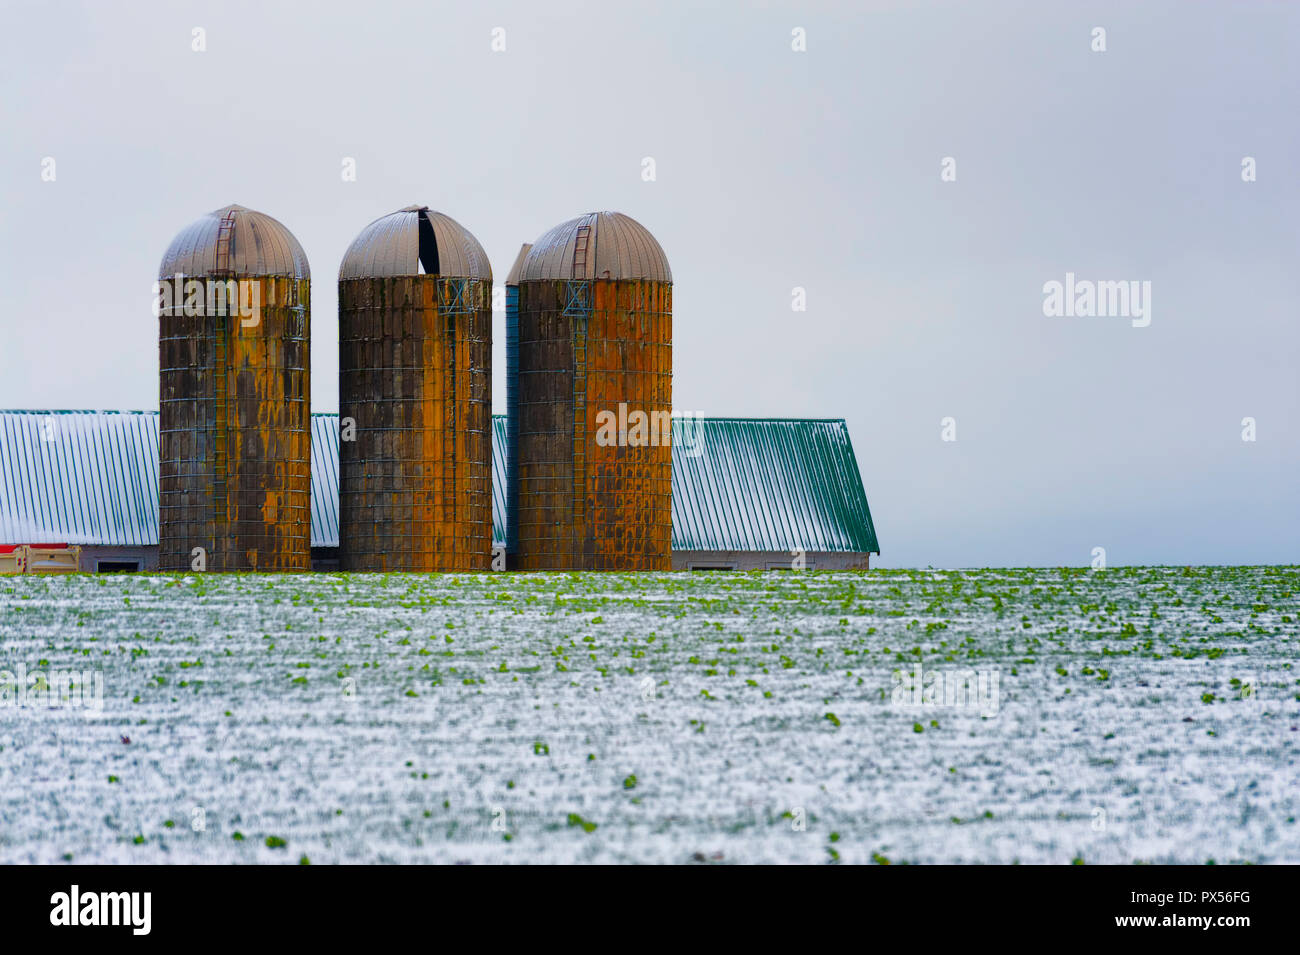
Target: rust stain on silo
[(234, 424), (415, 361)]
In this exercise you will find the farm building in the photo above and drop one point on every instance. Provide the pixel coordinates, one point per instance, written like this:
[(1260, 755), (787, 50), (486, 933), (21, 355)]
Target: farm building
[(746, 492)]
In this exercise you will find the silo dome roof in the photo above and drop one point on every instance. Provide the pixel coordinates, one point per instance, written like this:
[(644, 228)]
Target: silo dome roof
[(616, 247), (251, 244), (513, 277), (403, 241)]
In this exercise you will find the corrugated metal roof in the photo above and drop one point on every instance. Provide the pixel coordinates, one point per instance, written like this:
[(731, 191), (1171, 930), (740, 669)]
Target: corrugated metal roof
[(324, 480), (259, 245), (78, 477), (618, 247), (769, 484), (513, 277), (390, 246)]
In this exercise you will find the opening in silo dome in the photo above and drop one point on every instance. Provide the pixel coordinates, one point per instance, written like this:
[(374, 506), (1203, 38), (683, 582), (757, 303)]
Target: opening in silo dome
[(428, 245)]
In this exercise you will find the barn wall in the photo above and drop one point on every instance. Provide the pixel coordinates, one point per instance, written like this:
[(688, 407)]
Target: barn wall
[(768, 560)]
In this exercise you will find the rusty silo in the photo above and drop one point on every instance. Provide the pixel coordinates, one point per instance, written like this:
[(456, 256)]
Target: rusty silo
[(415, 384), (594, 396), (234, 348)]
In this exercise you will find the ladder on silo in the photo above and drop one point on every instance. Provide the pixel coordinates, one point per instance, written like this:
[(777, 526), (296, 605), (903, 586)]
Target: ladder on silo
[(225, 242), (219, 412), (578, 305), (221, 371), (580, 242), (577, 296), (450, 493), (579, 434)]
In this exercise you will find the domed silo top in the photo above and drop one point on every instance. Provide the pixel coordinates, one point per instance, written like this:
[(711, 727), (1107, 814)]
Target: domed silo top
[(235, 240), (412, 241), (599, 245), (513, 277)]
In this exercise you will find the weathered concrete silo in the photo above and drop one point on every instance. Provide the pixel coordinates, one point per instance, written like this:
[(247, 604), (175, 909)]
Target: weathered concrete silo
[(234, 348), (594, 388), (415, 387)]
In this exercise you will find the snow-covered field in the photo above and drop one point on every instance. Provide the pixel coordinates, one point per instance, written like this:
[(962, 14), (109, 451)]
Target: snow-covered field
[(1128, 715)]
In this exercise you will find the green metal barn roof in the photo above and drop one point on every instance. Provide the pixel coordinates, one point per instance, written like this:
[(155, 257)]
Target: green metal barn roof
[(768, 484), (744, 484)]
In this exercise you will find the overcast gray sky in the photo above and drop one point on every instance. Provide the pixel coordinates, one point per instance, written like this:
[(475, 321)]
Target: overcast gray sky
[(775, 169)]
